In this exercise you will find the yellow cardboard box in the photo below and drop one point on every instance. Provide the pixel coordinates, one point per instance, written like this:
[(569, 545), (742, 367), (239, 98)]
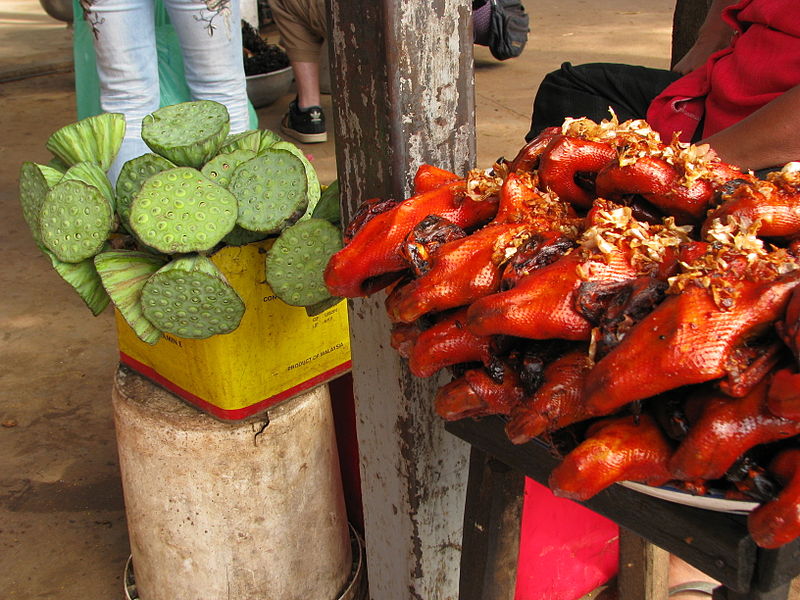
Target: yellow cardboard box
[(276, 352)]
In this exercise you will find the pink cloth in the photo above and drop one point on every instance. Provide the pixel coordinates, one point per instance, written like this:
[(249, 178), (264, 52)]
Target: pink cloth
[(566, 550), (762, 62)]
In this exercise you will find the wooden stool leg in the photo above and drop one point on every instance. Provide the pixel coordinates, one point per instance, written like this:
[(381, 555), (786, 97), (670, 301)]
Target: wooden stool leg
[(643, 568), (492, 516)]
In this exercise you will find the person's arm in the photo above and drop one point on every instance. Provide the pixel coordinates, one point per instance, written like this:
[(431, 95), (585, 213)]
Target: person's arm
[(714, 34), (766, 138)]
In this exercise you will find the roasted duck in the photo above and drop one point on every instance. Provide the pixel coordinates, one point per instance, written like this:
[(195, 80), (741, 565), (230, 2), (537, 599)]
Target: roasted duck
[(726, 429), (557, 403), (679, 181), (778, 522), (620, 449), (783, 397), (565, 159), (374, 249), (478, 394), (774, 204), (691, 336), (460, 272), (447, 342), (616, 248)]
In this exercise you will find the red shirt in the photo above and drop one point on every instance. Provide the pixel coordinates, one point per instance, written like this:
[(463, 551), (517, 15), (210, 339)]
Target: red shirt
[(762, 62)]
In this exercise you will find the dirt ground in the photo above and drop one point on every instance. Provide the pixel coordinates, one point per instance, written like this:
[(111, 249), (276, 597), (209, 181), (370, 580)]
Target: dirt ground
[(62, 523)]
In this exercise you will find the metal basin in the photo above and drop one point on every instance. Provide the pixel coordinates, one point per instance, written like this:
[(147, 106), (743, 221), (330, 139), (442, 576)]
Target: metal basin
[(266, 88), (58, 9)]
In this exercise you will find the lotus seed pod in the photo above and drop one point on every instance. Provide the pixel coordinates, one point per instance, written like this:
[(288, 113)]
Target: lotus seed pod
[(83, 277), (247, 140), (311, 175), (124, 273), (268, 138), (221, 167), (51, 176), (241, 237), (93, 175), (328, 207), (181, 210), (190, 298), (321, 307), (58, 164), (131, 177), (75, 221), (95, 139), (296, 261), (188, 134), (271, 190), (33, 190)]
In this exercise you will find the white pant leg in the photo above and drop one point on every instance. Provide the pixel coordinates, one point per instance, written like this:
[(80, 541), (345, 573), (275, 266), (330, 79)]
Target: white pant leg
[(127, 66), (210, 33)]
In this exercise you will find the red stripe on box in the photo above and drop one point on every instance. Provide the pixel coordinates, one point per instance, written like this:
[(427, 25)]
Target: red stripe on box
[(237, 413)]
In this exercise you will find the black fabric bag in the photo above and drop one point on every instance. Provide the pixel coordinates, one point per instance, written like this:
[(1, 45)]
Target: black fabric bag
[(509, 29)]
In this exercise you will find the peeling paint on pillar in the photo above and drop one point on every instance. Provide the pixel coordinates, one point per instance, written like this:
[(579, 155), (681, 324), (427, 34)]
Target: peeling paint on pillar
[(402, 80)]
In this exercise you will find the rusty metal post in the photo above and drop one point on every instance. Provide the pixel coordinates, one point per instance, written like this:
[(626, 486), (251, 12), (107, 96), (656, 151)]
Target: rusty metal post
[(403, 95)]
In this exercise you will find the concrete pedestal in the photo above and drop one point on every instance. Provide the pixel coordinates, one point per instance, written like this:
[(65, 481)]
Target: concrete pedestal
[(236, 511)]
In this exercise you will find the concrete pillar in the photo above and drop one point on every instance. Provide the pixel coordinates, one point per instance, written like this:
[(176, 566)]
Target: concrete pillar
[(402, 75), (244, 510)]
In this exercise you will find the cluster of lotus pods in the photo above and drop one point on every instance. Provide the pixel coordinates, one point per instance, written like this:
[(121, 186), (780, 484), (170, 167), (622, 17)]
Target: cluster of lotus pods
[(145, 244)]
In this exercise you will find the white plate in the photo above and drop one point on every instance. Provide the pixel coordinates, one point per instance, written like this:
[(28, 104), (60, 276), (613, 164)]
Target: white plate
[(709, 502)]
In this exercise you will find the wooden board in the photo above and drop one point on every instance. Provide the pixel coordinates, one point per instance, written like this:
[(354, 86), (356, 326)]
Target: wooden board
[(716, 543)]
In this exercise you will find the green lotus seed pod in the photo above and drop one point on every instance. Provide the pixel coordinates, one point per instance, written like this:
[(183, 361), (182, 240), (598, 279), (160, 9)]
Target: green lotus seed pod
[(297, 260), (268, 138), (93, 175), (75, 221), (51, 176), (83, 277), (311, 175), (271, 191), (190, 298), (247, 140), (180, 210), (124, 274), (131, 177), (221, 167), (95, 139), (33, 190), (241, 237), (321, 307), (188, 134), (328, 207), (58, 164)]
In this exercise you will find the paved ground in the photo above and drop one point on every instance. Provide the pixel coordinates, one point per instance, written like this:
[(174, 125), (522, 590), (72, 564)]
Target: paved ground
[(62, 524)]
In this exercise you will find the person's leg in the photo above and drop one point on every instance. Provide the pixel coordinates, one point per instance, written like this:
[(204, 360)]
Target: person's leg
[(687, 582), (306, 79), (127, 67), (210, 34), (301, 24), (589, 90)]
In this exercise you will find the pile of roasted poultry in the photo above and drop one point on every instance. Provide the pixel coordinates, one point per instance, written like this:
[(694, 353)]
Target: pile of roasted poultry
[(635, 298)]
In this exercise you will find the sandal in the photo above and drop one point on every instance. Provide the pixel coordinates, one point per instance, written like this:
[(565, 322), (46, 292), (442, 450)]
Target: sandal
[(704, 587)]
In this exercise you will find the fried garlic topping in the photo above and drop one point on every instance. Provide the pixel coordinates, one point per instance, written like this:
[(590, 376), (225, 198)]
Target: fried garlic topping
[(616, 229), (483, 184), (734, 254)]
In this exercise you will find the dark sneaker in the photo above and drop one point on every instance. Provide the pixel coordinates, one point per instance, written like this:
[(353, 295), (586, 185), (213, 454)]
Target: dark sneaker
[(306, 125)]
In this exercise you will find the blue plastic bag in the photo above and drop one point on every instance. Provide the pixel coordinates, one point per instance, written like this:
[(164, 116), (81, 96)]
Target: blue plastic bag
[(170, 65)]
